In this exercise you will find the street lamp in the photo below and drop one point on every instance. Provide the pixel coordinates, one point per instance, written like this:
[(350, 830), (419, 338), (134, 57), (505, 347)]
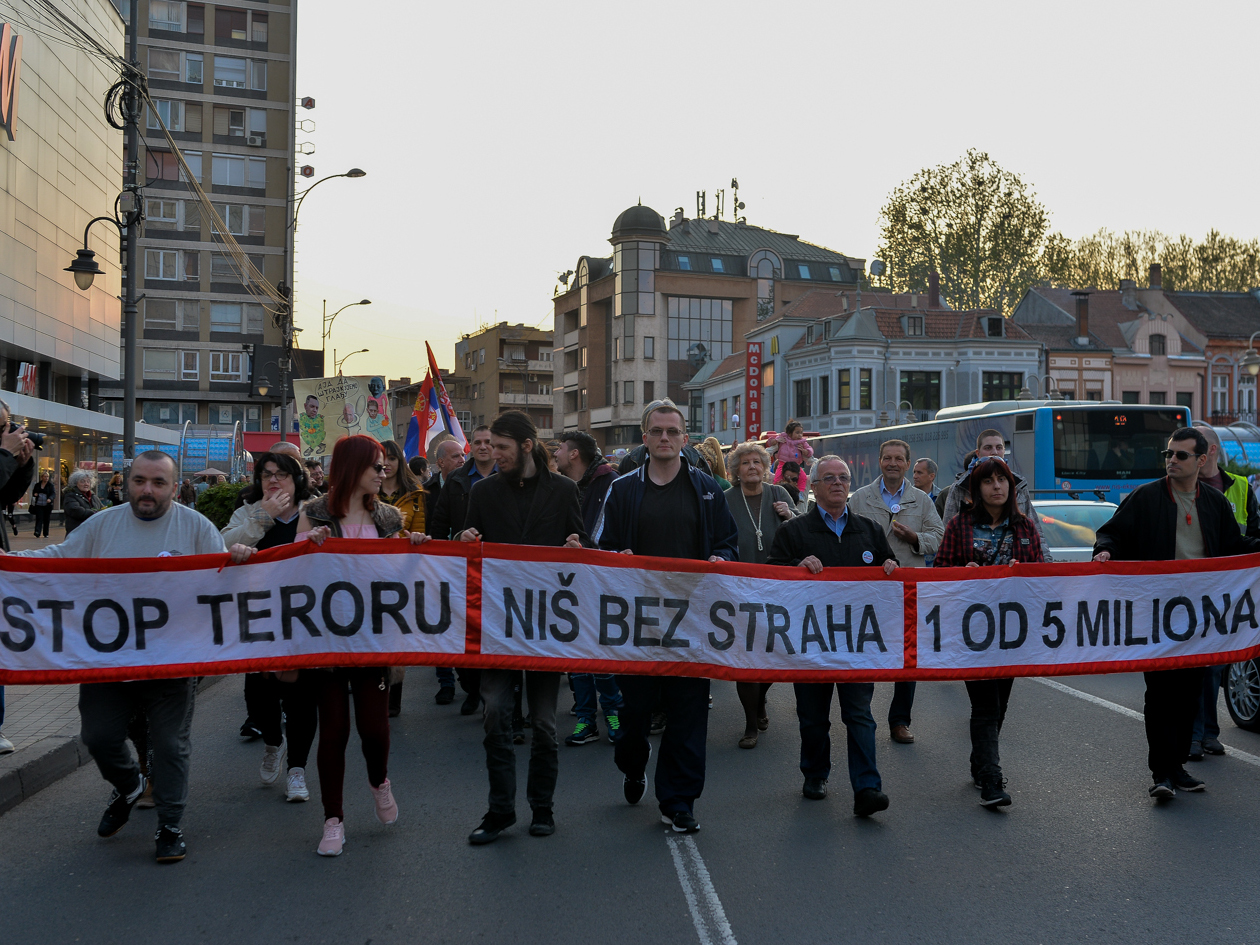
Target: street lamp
[(285, 314), (1251, 363), (338, 362), (323, 338)]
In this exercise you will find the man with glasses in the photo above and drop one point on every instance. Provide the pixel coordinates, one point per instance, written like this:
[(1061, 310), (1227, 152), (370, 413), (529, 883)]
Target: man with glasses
[(1174, 518), (670, 509), (830, 536)]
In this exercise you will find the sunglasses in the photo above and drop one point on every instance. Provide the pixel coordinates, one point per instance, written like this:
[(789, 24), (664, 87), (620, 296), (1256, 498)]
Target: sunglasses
[(379, 467), (1181, 455)]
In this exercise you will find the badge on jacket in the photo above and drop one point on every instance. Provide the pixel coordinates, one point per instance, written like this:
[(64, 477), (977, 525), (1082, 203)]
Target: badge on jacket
[(867, 557)]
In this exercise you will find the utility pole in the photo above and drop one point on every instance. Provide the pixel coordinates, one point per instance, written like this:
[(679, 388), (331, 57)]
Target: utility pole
[(132, 182)]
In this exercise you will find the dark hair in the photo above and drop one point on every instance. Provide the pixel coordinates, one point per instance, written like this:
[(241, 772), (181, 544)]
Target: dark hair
[(985, 434), (516, 425), (992, 466), (897, 444), (351, 458), (418, 465), (312, 463), (284, 463), (793, 423), (1190, 433), (406, 479), (154, 456), (583, 442), (478, 429)]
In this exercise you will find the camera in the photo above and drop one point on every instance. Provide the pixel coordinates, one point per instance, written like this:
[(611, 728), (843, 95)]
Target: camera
[(37, 439)]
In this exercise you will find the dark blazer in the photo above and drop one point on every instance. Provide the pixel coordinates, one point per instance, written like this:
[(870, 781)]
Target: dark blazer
[(593, 490), (432, 490), (1144, 528), (808, 535), (79, 507), (620, 521), (451, 508), (553, 515)]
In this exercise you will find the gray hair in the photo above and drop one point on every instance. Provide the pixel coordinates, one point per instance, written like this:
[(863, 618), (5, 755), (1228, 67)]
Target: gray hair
[(79, 475), (829, 458), (932, 468)]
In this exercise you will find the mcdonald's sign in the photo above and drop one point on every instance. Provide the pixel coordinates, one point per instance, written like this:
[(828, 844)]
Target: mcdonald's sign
[(10, 70)]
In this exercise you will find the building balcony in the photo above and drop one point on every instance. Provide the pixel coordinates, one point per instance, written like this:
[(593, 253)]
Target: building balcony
[(521, 400), (570, 338), (541, 367), (546, 433), (601, 416), (571, 379), (571, 420)]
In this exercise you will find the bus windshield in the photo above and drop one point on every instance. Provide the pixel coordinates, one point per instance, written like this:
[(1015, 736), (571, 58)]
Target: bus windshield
[(1113, 443)]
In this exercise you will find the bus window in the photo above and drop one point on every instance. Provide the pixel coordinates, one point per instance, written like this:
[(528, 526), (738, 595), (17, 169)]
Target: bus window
[(1112, 443)]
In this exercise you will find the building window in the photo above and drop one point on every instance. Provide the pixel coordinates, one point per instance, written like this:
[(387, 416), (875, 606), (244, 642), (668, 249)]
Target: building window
[(242, 219), (164, 63), (712, 417), (168, 414), (1220, 393), (1130, 397), (649, 391), (684, 263), (223, 268), (717, 265), (227, 414), (231, 24), (189, 362), (582, 398), (1158, 344), (582, 358), (864, 389), (827, 328), (1159, 397), (835, 273), (824, 394), (616, 348), (481, 355), (995, 327), (229, 170), (649, 346), (162, 314), (844, 390), (170, 113), (695, 322), (766, 267), (736, 420), (695, 409), (226, 366), (165, 264), (230, 73), (160, 364), (194, 68), (236, 317), (1185, 399), (161, 211), (921, 389), (809, 335), (723, 417), (627, 392), (803, 270), (1001, 385), (166, 15), (802, 398), (914, 326)]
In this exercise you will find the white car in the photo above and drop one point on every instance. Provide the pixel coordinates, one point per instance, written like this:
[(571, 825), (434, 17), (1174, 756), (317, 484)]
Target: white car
[(1069, 526)]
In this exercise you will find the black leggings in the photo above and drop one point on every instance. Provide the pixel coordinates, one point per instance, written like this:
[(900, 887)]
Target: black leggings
[(266, 696), (43, 515), (752, 696)]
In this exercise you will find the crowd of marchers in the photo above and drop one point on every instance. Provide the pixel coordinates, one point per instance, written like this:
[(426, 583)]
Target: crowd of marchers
[(773, 503)]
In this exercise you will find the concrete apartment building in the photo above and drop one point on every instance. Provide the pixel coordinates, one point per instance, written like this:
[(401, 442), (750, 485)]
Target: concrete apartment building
[(60, 166), (503, 367), (221, 76), (639, 324)]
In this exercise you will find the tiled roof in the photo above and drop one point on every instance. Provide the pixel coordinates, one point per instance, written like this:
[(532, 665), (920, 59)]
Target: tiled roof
[(938, 325), (826, 303), (1219, 314), (743, 240), (1062, 338), (732, 362)]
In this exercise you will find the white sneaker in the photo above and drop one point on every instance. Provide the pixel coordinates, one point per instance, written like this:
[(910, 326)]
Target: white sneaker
[(6, 746), (295, 788), (272, 763)]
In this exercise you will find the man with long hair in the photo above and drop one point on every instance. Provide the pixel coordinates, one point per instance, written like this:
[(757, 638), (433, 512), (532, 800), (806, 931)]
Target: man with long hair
[(523, 504)]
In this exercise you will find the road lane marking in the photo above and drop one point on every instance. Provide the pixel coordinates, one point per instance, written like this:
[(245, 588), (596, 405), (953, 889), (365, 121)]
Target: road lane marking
[(1231, 752), (706, 909)]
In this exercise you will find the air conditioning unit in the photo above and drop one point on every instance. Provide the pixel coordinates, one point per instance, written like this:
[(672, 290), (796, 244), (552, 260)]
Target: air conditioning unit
[(254, 141)]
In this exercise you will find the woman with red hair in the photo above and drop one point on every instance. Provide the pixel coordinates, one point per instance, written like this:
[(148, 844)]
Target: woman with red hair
[(352, 508), (991, 531)]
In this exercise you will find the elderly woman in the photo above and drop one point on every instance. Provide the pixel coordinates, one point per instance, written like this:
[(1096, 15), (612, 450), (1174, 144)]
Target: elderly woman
[(757, 506), (79, 500)]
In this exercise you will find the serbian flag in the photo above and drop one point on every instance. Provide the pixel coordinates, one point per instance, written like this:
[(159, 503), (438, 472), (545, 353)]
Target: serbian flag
[(432, 414)]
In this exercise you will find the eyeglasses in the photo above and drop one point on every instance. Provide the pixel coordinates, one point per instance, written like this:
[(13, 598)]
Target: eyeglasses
[(1181, 455), (656, 433), (279, 475), (831, 480), (379, 467)]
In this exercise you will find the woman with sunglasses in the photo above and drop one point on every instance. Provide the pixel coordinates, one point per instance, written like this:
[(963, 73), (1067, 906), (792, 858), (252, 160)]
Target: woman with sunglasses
[(353, 509), (268, 518), (991, 531)]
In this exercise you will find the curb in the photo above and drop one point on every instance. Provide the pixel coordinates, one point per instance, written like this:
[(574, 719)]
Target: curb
[(27, 772)]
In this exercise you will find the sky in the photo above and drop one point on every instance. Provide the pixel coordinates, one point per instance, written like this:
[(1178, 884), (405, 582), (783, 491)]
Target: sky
[(501, 140)]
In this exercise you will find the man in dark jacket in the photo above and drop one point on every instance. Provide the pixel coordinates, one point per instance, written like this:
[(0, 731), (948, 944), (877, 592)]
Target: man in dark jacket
[(830, 536), (578, 457), (670, 509), (448, 457), (17, 469), (449, 513), (639, 455), (1174, 518), (523, 504)]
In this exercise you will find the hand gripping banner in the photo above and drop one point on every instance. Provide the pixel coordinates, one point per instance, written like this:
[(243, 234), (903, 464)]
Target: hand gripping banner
[(378, 603)]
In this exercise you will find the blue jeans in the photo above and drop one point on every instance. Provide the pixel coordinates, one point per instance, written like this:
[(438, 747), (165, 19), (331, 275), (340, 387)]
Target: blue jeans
[(585, 685), (1205, 721), (813, 709), (1, 708), (446, 677), (902, 703)]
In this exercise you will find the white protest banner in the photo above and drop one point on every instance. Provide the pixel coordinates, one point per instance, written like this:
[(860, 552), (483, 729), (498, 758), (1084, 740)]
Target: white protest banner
[(376, 603)]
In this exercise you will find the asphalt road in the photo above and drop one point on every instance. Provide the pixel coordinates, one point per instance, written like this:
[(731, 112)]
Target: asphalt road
[(1082, 855)]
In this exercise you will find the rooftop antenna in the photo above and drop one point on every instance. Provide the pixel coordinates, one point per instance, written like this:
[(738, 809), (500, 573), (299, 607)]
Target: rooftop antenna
[(719, 199), (700, 201), (735, 200)]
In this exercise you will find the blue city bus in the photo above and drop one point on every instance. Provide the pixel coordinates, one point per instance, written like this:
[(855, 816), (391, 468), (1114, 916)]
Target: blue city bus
[(1067, 448)]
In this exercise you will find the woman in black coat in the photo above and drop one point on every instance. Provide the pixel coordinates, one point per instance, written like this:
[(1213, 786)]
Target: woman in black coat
[(80, 501), (43, 496)]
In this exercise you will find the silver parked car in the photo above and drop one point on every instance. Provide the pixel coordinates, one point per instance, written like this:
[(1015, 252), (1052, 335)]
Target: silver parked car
[(1069, 526)]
